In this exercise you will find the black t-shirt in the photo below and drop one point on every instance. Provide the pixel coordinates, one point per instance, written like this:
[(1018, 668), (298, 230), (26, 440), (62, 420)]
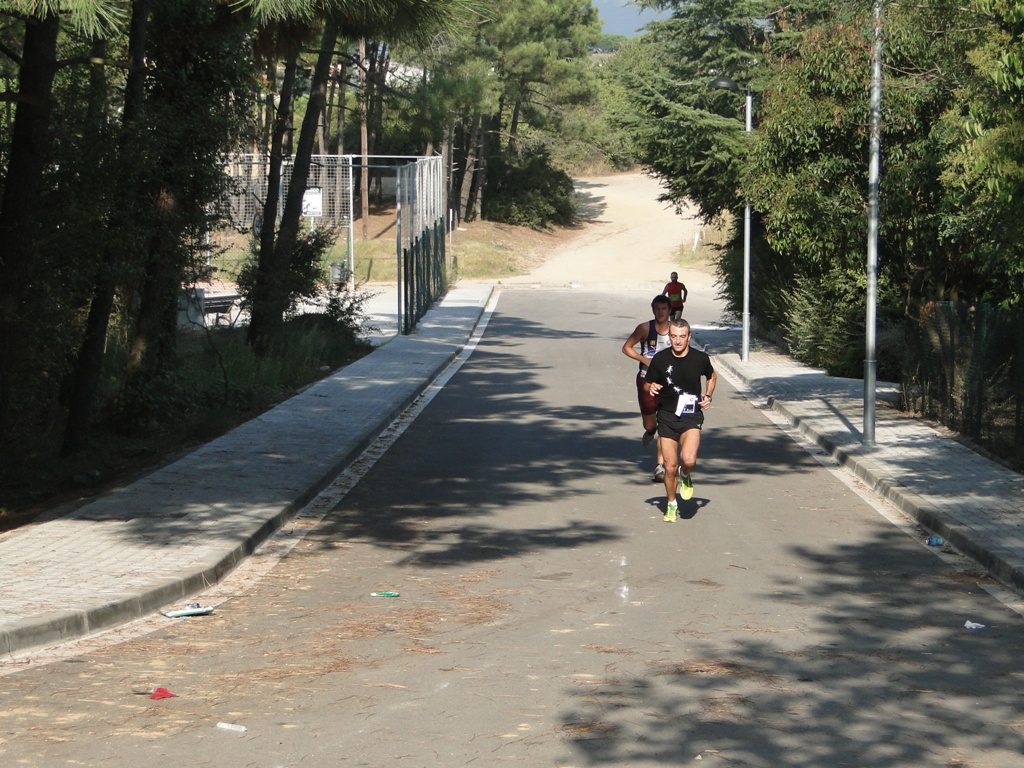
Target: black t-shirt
[(678, 375)]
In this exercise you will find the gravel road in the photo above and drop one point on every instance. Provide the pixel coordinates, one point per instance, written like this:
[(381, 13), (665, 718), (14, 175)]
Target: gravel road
[(629, 241)]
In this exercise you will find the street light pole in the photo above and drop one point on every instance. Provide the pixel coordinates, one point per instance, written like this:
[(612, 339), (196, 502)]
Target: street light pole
[(745, 355), (870, 363), (730, 85)]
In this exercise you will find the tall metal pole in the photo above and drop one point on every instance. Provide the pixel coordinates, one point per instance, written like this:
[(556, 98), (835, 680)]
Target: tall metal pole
[(351, 234), (870, 363), (745, 354), (398, 249), (730, 85)]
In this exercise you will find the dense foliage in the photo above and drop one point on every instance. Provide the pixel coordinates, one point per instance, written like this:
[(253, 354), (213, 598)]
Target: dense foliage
[(118, 115), (951, 154), (117, 118), (112, 140)]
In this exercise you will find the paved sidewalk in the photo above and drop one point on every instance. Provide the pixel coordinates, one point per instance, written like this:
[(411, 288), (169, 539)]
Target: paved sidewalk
[(977, 505), (167, 536)]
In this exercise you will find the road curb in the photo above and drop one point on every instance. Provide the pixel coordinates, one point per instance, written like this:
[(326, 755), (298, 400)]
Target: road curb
[(440, 338), (1002, 564)]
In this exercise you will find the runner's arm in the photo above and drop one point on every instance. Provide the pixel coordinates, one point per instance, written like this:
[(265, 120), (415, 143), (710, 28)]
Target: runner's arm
[(709, 390), (653, 382), (629, 348)]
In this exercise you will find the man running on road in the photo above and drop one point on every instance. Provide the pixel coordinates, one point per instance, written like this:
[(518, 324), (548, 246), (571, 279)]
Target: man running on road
[(677, 294), (653, 337), (674, 375)]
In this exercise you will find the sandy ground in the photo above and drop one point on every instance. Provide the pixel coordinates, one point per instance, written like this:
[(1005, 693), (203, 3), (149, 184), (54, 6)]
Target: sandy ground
[(630, 240)]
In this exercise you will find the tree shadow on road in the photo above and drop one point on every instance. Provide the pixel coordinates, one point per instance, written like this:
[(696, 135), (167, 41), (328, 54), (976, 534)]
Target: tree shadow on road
[(591, 197), (497, 460), (879, 671)]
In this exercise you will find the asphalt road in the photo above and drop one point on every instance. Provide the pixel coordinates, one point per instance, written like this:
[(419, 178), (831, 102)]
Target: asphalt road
[(548, 617)]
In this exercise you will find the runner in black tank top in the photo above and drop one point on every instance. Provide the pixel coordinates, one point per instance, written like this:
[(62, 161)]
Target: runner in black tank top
[(652, 337)]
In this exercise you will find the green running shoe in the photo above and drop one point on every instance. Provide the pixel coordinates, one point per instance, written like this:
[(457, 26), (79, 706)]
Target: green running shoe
[(687, 490), (671, 512)]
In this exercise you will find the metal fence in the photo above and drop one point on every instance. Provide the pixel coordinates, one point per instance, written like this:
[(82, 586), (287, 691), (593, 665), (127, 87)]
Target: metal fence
[(965, 368), (330, 174), (419, 191), (420, 214)]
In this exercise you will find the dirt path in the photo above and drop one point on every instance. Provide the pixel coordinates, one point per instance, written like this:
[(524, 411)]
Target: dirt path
[(630, 240)]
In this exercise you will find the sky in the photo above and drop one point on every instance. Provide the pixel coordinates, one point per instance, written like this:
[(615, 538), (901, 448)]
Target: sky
[(620, 18)]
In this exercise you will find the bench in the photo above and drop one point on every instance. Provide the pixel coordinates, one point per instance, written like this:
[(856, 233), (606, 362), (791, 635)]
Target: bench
[(221, 306)]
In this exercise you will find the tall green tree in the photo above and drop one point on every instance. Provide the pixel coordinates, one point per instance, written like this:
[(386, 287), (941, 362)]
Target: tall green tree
[(198, 97), (28, 154), (123, 167), (808, 172), (390, 19), (983, 149), (692, 137), (949, 155), (114, 252), (539, 56)]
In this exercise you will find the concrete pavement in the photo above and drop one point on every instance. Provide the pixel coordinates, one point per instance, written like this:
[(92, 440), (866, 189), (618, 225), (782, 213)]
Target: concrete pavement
[(977, 505), (180, 529), (153, 543)]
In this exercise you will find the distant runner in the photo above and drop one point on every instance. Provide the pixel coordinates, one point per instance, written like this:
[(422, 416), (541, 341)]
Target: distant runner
[(677, 294), (674, 375), (652, 337)]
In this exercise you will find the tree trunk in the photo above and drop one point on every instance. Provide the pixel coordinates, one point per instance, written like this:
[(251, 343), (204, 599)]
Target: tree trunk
[(339, 147), (377, 71), (513, 128), (480, 179), (275, 302), (268, 106), (321, 133), (261, 322), (378, 81), (27, 159), (89, 363), (428, 149), (332, 94), (289, 126), (153, 344), (469, 170), (446, 164)]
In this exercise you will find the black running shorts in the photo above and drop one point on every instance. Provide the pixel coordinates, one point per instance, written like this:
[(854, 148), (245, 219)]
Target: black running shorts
[(672, 426)]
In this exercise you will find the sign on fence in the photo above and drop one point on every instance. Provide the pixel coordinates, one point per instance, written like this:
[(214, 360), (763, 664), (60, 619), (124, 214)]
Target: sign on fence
[(313, 203)]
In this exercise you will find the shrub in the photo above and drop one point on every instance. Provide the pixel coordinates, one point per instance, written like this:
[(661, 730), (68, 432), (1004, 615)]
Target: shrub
[(306, 274), (528, 191)]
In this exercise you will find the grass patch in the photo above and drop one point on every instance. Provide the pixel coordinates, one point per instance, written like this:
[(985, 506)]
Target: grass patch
[(702, 254), (375, 260), (217, 385), (483, 250)]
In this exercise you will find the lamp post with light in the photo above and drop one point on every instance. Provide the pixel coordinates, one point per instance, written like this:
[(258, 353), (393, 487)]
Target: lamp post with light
[(870, 362), (730, 85)]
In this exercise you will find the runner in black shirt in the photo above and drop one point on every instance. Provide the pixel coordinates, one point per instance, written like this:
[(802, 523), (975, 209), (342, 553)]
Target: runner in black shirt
[(674, 375)]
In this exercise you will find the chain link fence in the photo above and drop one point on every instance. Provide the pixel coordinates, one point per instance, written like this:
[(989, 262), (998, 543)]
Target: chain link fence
[(416, 184), (419, 191), (965, 368), (331, 175)]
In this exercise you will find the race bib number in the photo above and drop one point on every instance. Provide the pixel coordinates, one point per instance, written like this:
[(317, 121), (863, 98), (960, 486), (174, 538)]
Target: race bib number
[(687, 404)]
